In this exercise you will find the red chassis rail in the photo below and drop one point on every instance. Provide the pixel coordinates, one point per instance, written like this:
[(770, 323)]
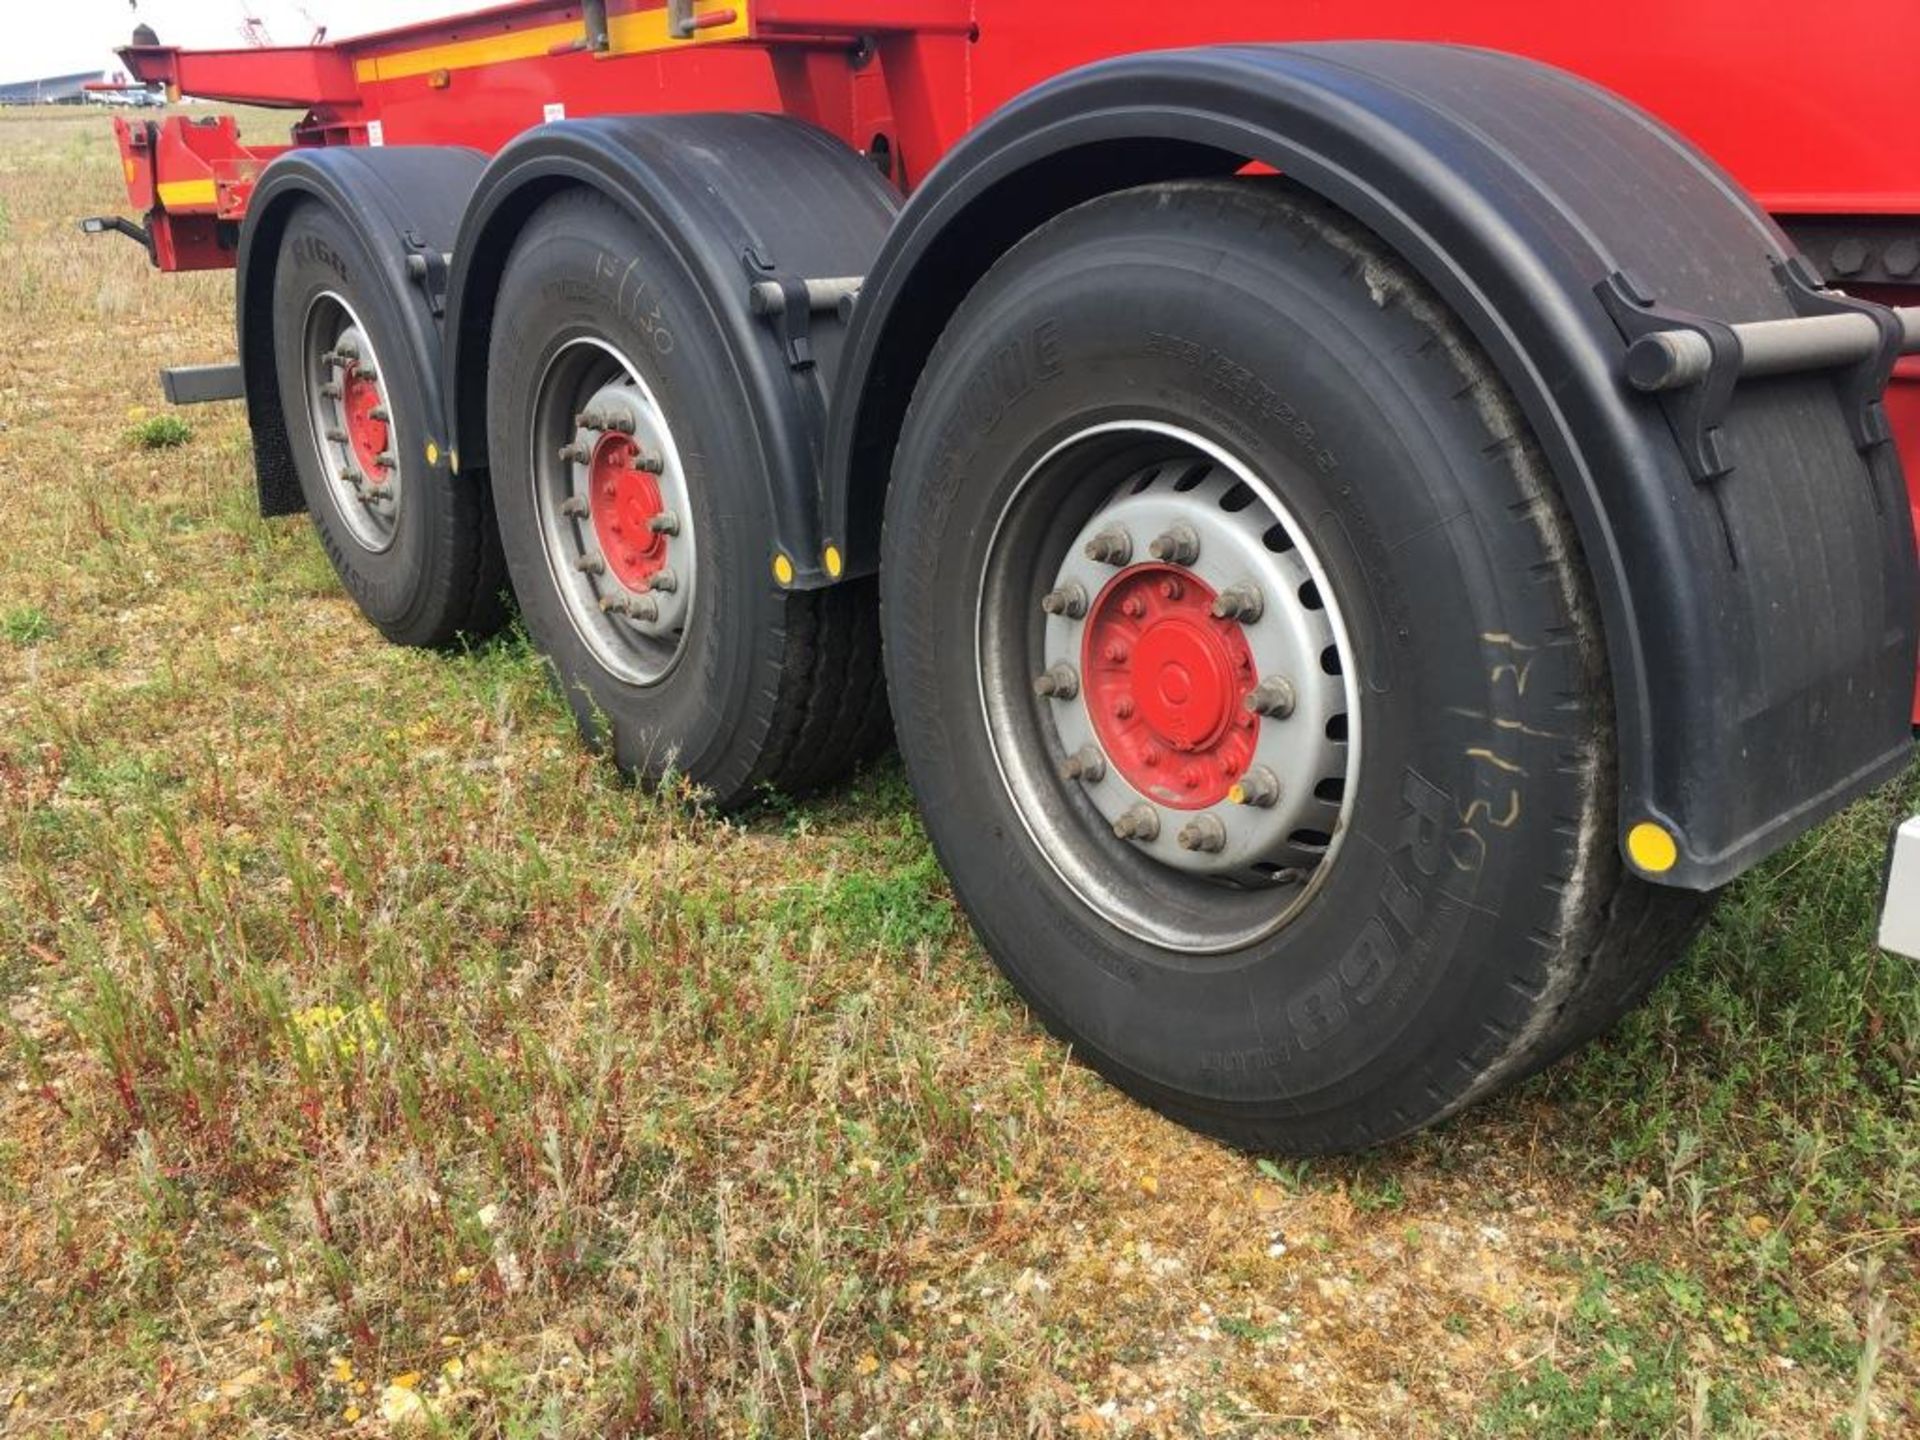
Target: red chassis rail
[(902, 80)]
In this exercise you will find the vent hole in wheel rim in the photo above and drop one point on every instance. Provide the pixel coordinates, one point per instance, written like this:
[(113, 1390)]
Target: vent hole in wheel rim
[(1330, 660), (1237, 499), (1337, 729), (1332, 790), (1277, 539)]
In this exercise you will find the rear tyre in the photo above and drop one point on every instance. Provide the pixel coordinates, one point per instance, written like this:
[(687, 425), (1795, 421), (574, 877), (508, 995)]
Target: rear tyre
[(414, 546), (637, 526), (1254, 600)]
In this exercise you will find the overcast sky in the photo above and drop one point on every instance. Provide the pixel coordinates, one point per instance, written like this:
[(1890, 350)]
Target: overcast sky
[(59, 37)]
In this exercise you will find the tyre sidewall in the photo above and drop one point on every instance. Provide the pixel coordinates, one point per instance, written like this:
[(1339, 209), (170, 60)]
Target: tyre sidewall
[(1376, 997), (400, 589), (581, 269)]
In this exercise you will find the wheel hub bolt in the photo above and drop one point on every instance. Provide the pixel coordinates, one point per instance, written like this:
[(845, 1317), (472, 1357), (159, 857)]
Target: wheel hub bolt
[(1272, 696), (379, 412), (1204, 834), (336, 435), (574, 454), (634, 607), (1242, 602), (386, 460), (1111, 546), (590, 565), (1133, 607), (1070, 601), (1115, 653), (1142, 822), (1178, 545), (647, 464), (618, 423), (574, 507), (663, 580), (1172, 589), (330, 390), (1060, 681), (1259, 787), (1123, 708), (589, 420), (1190, 777), (1086, 763), (665, 523)]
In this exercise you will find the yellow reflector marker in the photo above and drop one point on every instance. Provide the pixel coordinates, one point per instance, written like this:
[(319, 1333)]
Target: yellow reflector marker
[(433, 453), (782, 569), (831, 557), (179, 194), (1237, 793), (1651, 848)]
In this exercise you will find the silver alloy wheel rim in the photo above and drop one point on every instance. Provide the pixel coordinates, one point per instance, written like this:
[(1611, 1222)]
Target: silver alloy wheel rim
[(1263, 875), (636, 635), (332, 333)]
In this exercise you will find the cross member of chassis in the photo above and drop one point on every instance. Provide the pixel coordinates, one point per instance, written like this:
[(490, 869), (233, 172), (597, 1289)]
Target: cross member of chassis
[(1356, 541)]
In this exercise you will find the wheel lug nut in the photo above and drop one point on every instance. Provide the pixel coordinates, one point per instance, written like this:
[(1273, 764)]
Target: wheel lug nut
[(1086, 763), (1272, 696), (590, 565), (386, 460), (1178, 545), (1133, 607), (1060, 681), (330, 391), (664, 580), (1070, 601), (646, 464), (575, 454), (589, 420), (665, 523), (1259, 787), (1242, 602), (336, 435), (1203, 833), (574, 507), (618, 422), (1111, 546), (1172, 589), (1142, 822), (634, 607), (1115, 653)]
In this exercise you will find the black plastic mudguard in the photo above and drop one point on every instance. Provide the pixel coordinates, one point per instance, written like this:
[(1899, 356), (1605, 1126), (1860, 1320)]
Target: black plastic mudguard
[(406, 203), (1761, 625), (739, 199)]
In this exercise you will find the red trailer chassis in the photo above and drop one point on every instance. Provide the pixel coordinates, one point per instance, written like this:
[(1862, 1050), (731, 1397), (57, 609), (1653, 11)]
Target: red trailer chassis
[(1673, 276)]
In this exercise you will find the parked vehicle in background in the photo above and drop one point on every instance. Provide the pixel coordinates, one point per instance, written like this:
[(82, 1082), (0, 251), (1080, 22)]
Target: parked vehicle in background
[(1359, 540)]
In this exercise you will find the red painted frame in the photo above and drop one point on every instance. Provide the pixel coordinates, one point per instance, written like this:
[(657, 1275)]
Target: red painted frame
[(1796, 114)]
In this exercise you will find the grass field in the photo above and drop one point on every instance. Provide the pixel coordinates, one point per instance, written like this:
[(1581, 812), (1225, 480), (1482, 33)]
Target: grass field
[(372, 1058)]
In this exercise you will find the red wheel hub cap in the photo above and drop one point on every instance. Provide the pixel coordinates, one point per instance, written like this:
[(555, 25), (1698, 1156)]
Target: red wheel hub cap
[(366, 436), (623, 501), (1165, 683)]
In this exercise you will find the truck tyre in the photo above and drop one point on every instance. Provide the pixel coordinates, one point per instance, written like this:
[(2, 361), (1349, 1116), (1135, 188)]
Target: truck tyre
[(414, 545), (637, 527), (1246, 669)]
